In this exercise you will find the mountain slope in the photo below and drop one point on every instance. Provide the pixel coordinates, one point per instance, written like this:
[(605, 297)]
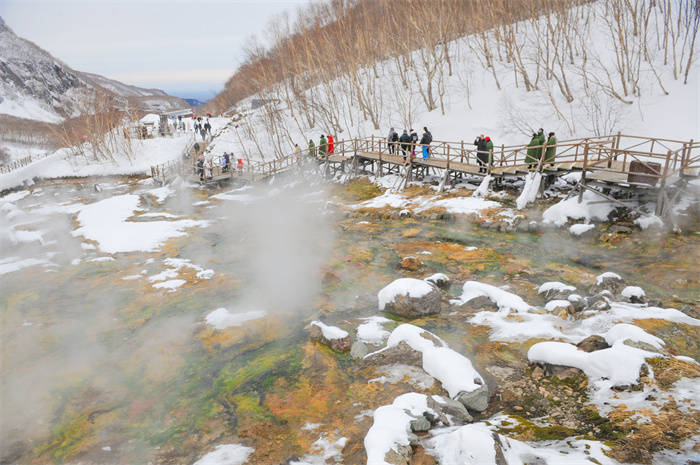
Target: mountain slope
[(35, 85)]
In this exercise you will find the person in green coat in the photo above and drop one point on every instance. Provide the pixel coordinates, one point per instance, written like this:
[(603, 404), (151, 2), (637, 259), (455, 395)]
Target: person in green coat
[(550, 154), (540, 138), (322, 147), (533, 154), (312, 148), (489, 149)]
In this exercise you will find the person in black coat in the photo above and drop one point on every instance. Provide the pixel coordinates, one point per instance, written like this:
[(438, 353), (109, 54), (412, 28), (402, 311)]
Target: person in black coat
[(405, 143), (414, 141), (482, 153)]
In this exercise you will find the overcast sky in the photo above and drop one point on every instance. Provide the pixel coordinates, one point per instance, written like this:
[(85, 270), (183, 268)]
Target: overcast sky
[(186, 47)]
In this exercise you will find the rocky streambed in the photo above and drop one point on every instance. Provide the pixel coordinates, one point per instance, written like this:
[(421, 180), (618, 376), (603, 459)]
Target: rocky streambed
[(265, 326)]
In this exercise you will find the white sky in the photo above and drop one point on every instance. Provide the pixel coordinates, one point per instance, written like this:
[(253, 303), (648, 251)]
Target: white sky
[(188, 48)]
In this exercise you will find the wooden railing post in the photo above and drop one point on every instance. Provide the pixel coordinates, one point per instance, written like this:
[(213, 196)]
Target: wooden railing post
[(503, 152), (583, 172)]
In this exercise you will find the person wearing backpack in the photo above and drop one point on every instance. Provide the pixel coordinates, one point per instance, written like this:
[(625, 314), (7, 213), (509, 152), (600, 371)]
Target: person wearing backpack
[(532, 153), (482, 154), (425, 141), (405, 140), (551, 150), (414, 141), (489, 150), (322, 147), (390, 140)]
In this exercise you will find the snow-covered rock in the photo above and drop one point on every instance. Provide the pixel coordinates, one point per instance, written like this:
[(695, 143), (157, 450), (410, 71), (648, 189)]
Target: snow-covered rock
[(336, 338), (633, 294), (454, 371), (411, 298), (503, 299), (227, 454), (441, 280), (221, 318)]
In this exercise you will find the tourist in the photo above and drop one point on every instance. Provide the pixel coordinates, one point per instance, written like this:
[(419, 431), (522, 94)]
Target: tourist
[(482, 155), (425, 141), (405, 143), (390, 140), (550, 154), (312, 148), (225, 162), (489, 149), (331, 145), (200, 166), (322, 147), (203, 132), (207, 126), (414, 141), (533, 154)]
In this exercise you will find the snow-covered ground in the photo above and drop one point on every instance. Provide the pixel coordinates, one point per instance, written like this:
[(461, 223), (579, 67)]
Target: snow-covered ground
[(146, 153)]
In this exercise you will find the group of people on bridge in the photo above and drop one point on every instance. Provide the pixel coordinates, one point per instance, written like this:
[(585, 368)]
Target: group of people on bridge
[(538, 144), (407, 143)]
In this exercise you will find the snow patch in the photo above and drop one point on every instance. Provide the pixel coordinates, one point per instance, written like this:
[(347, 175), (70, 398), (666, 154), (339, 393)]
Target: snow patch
[(408, 287), (222, 318), (227, 454)]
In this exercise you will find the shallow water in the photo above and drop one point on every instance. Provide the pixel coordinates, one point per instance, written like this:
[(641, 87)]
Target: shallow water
[(101, 369)]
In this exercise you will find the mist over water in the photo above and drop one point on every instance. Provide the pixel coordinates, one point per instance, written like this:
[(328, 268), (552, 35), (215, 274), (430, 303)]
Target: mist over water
[(78, 339)]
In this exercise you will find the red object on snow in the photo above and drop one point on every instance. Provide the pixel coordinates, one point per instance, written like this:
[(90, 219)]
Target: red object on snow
[(240, 164), (331, 144)]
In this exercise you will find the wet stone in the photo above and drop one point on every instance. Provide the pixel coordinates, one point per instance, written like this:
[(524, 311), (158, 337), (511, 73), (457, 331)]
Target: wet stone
[(420, 425), (477, 400), (592, 344)]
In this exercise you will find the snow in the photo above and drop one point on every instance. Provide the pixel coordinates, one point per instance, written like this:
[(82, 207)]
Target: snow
[(505, 300), (170, 285), (221, 318), (391, 426), (632, 291), (455, 205), (408, 287), (371, 331), (330, 332), (483, 189), (530, 191), (646, 222), (106, 222), (454, 371), (553, 304), (607, 275), (591, 208), (28, 109), (554, 286), (619, 364), (12, 264), (578, 229), (150, 118), (475, 444), (322, 451), (227, 454), (161, 193), (624, 331)]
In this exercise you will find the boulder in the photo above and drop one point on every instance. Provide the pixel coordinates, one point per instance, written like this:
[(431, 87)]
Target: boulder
[(410, 264), (611, 282), (578, 302), (400, 454), (481, 302), (561, 308), (477, 400), (633, 294), (592, 343), (440, 280), (420, 425), (445, 406), (410, 304), (598, 302), (400, 353), (331, 336), (560, 371), (358, 350)]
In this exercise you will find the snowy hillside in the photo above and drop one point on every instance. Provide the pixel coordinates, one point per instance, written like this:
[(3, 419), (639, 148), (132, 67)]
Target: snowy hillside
[(504, 88), (35, 85)]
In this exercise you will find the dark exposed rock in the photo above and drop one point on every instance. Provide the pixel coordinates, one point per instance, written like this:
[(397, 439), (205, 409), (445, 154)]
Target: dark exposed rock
[(560, 371), (400, 353), (446, 406), (410, 263), (415, 307), (592, 343), (477, 400), (609, 282), (359, 349), (420, 425), (481, 302)]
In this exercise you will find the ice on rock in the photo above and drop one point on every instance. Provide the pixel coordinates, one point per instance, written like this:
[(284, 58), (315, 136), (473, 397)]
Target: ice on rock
[(505, 300), (633, 291), (623, 332), (554, 286), (371, 331)]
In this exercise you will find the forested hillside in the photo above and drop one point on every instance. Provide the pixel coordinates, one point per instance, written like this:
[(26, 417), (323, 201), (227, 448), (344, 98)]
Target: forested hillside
[(357, 67)]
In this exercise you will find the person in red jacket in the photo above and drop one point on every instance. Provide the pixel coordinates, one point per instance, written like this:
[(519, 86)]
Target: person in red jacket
[(331, 145)]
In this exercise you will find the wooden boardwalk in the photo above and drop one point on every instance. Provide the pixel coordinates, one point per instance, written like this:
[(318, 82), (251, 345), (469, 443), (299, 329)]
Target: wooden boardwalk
[(651, 166)]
